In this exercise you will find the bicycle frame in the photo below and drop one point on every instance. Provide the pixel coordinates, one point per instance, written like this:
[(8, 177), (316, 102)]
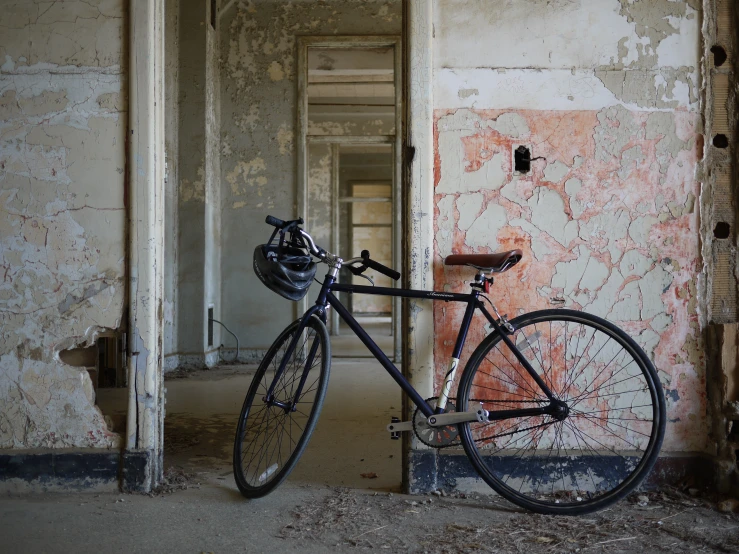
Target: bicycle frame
[(472, 299)]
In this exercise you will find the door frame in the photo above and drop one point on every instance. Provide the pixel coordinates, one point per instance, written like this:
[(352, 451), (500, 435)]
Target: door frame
[(335, 42), (145, 197)]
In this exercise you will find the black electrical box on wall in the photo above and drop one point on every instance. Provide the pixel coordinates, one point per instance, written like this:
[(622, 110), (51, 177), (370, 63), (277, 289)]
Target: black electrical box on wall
[(522, 159)]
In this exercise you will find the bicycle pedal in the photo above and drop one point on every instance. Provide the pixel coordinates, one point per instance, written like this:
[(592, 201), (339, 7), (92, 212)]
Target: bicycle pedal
[(396, 427)]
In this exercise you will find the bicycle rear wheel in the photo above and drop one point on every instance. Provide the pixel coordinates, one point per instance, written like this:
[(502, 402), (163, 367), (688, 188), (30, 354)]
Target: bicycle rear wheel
[(594, 452), (271, 436)]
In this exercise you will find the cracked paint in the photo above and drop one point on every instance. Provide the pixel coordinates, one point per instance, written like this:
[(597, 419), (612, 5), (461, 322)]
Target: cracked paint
[(259, 145), (644, 55), (595, 224), (319, 192), (62, 250)]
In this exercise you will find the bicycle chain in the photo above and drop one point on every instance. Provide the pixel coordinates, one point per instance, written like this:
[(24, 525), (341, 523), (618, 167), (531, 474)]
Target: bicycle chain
[(444, 437), (449, 438)]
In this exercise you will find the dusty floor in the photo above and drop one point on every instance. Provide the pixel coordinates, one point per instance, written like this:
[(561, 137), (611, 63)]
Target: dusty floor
[(327, 505), (207, 514)]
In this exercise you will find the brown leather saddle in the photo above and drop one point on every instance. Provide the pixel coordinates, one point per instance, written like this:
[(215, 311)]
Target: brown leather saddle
[(492, 263)]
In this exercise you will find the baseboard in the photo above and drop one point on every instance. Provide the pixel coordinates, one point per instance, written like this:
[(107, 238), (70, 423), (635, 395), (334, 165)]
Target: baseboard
[(171, 362), (430, 470), (198, 360), (73, 470), (246, 355)]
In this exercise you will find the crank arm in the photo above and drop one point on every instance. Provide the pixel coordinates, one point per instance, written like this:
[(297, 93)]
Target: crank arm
[(452, 418), (400, 426)]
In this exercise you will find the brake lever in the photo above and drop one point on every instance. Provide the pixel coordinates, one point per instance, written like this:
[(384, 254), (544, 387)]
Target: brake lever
[(358, 271)]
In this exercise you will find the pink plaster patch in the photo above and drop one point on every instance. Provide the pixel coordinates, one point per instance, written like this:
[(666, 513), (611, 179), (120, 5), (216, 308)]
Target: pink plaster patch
[(628, 207)]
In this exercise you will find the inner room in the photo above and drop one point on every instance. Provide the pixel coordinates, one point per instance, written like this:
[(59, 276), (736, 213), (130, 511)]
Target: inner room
[(321, 94)]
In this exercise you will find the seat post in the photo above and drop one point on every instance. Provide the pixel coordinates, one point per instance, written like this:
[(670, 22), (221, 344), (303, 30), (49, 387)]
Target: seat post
[(482, 281)]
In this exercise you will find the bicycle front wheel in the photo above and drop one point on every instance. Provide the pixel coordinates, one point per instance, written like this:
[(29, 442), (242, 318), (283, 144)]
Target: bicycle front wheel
[(273, 433), (593, 452)]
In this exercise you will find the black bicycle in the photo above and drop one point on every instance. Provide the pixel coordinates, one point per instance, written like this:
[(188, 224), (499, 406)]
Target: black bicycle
[(559, 411)]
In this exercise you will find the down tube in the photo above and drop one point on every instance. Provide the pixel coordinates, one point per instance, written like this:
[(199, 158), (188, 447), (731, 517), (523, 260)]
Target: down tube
[(380, 355)]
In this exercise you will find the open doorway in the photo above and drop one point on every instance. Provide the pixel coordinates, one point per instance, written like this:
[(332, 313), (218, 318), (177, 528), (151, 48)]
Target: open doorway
[(349, 161), (365, 222), (253, 132)]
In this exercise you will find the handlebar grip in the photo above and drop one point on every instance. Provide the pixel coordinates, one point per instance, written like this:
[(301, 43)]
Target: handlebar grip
[(379, 267), (269, 220)]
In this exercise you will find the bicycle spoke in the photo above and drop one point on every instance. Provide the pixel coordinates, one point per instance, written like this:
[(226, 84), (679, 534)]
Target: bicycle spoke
[(269, 436), (512, 380), (616, 424), (535, 439), (500, 390), (522, 377), (574, 398), (603, 384), (610, 394), (581, 455)]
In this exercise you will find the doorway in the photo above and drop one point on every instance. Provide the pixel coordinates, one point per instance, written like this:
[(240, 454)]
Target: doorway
[(242, 114), (349, 111)]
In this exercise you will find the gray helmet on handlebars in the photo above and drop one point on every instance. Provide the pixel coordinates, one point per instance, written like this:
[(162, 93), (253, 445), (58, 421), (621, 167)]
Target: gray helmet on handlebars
[(284, 268)]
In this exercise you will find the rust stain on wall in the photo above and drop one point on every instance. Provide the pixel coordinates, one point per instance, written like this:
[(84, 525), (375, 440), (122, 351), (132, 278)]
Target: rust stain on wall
[(607, 224)]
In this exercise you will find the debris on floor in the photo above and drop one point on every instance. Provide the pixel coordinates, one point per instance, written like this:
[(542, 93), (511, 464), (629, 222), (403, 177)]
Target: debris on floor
[(664, 521), (175, 479)]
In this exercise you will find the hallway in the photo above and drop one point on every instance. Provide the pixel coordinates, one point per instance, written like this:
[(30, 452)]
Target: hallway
[(350, 438)]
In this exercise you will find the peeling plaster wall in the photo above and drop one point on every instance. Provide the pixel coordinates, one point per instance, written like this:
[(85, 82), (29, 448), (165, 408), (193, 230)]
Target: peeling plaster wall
[(606, 91), (63, 119), (604, 52), (198, 174), (258, 158)]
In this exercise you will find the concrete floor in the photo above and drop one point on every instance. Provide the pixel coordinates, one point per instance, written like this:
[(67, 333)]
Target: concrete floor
[(210, 516), (350, 438), (347, 345), (326, 505)]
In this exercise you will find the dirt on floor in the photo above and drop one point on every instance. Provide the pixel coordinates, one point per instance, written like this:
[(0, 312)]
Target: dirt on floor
[(665, 521), (345, 520), (674, 519)]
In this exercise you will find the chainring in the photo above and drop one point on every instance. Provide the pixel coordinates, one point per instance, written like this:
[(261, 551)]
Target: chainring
[(435, 437)]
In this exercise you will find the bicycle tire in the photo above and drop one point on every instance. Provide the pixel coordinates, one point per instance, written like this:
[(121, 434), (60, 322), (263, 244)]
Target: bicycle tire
[(262, 459), (605, 456)]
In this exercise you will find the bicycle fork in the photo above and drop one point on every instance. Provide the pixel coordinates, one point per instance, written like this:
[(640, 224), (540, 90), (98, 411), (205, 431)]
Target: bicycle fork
[(292, 404)]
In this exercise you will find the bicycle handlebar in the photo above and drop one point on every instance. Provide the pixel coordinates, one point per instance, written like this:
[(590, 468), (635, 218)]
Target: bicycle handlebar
[(270, 220), (293, 227), (280, 224), (394, 275)]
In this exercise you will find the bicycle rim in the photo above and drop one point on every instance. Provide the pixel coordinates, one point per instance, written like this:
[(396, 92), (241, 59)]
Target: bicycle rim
[(269, 438), (577, 462)]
